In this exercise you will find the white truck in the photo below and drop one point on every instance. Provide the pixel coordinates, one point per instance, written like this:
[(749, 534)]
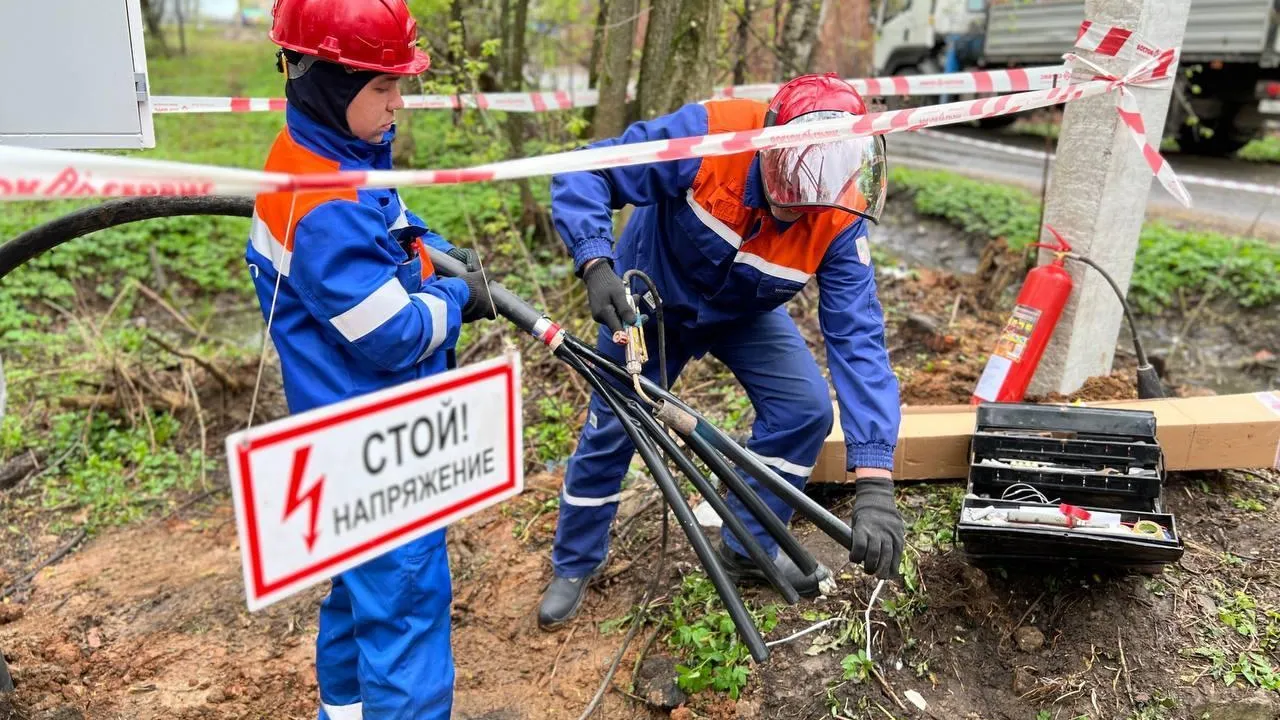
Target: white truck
[(1232, 48)]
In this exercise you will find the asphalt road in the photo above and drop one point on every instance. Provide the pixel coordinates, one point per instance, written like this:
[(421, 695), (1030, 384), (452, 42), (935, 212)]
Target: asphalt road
[(1229, 210)]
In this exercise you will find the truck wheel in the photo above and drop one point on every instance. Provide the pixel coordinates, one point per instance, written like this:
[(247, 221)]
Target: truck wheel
[(997, 122), (1221, 144)]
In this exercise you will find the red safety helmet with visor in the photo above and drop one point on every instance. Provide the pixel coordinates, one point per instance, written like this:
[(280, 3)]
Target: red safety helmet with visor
[(377, 35), (849, 175)]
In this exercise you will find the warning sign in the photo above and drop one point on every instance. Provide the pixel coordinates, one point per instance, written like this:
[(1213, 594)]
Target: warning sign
[(325, 490)]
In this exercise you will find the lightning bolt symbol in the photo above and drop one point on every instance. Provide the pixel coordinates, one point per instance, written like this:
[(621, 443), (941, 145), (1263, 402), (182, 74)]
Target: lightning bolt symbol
[(297, 498)]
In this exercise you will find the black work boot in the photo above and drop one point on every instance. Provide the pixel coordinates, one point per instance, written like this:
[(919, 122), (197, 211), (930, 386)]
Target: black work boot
[(563, 597), (742, 569)]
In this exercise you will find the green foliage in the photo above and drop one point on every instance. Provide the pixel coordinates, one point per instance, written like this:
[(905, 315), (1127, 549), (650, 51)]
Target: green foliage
[(1243, 645), (1250, 504), (118, 472), (553, 434), (703, 633), (1265, 149), (1170, 261), (983, 208), (1195, 262), (1159, 707), (13, 439), (857, 666), (1044, 715), (1252, 667)]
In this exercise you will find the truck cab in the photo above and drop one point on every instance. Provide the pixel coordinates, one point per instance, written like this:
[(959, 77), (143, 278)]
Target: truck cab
[(916, 37)]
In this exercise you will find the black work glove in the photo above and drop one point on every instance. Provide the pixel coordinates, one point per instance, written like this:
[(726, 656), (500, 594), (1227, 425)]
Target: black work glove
[(480, 305), (467, 257), (878, 532), (607, 296)]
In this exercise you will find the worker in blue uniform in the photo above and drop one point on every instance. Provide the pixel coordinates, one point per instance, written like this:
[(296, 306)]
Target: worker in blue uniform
[(354, 306), (728, 240)]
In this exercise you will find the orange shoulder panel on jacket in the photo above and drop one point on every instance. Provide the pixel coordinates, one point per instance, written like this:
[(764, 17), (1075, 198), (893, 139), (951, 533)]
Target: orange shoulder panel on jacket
[(827, 225), (281, 211), (721, 179)]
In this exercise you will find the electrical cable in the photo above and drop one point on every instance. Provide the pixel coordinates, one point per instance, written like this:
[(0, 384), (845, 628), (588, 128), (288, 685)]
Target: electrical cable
[(660, 574), (571, 350), (1148, 380)]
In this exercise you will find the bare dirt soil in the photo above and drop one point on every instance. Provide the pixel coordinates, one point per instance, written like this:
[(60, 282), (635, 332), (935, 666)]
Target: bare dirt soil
[(148, 621)]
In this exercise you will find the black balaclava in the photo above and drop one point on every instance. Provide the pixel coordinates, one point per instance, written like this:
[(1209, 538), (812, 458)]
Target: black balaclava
[(321, 89)]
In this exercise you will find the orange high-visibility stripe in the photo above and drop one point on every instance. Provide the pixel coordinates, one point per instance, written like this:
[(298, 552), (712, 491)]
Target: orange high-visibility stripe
[(277, 209), (721, 183)]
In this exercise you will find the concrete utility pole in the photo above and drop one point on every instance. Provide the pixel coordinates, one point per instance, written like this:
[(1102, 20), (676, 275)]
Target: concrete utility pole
[(1098, 195)]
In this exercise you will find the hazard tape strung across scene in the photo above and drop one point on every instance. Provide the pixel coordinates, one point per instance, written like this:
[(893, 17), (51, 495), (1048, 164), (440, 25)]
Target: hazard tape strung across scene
[(980, 82), (30, 174), (1112, 41), (1155, 71), (953, 139)]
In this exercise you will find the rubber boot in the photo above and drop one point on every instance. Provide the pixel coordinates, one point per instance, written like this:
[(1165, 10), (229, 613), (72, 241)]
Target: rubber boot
[(743, 570), (563, 597)]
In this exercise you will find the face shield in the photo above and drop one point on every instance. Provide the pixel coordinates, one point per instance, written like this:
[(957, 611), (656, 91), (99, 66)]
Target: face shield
[(849, 175)]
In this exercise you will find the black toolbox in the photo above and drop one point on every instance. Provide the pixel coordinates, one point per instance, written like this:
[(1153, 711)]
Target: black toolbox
[(1059, 482)]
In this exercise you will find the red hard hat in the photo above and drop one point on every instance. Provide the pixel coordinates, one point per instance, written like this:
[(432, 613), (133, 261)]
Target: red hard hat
[(849, 175), (378, 35), (813, 93)]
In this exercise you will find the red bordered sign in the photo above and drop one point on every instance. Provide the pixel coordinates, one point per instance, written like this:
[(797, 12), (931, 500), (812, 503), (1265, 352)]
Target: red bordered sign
[(325, 490)]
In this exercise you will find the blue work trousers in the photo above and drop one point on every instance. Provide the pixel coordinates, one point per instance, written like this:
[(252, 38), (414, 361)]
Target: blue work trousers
[(792, 403), (383, 649)]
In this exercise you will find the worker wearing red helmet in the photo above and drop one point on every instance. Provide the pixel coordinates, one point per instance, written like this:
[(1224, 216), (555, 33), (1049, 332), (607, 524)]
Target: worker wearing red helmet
[(728, 241), (354, 306)]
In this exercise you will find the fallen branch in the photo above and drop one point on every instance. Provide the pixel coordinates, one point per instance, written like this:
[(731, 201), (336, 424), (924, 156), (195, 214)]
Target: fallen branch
[(884, 684), (61, 552), (228, 382), (155, 297)]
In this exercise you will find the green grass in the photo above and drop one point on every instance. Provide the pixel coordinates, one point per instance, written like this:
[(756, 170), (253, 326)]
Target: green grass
[(1169, 260), (113, 472), (1262, 150)]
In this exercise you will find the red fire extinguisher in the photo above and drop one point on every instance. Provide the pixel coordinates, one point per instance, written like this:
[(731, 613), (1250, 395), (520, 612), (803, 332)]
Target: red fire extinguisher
[(1017, 354)]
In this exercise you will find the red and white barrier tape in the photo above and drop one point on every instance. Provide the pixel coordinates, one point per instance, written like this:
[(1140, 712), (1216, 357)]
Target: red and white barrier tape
[(1155, 70), (33, 174), (1112, 41), (1203, 180), (981, 82)]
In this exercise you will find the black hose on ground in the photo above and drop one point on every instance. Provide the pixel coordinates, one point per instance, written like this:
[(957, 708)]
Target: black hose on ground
[(717, 503), (572, 351), (50, 235), (684, 514)]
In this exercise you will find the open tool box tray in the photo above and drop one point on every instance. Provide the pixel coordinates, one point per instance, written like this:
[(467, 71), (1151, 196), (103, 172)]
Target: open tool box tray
[(1035, 471)]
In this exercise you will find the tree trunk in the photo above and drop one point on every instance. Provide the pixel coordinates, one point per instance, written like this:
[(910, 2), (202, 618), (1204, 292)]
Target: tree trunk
[(744, 35), (182, 25), (619, 44), (799, 35), (656, 86), (597, 44), (504, 32), (515, 83), (152, 14), (679, 67)]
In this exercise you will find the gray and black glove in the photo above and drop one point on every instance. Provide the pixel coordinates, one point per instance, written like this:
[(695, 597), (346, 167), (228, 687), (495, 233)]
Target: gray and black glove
[(480, 305), (607, 296), (878, 531)]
